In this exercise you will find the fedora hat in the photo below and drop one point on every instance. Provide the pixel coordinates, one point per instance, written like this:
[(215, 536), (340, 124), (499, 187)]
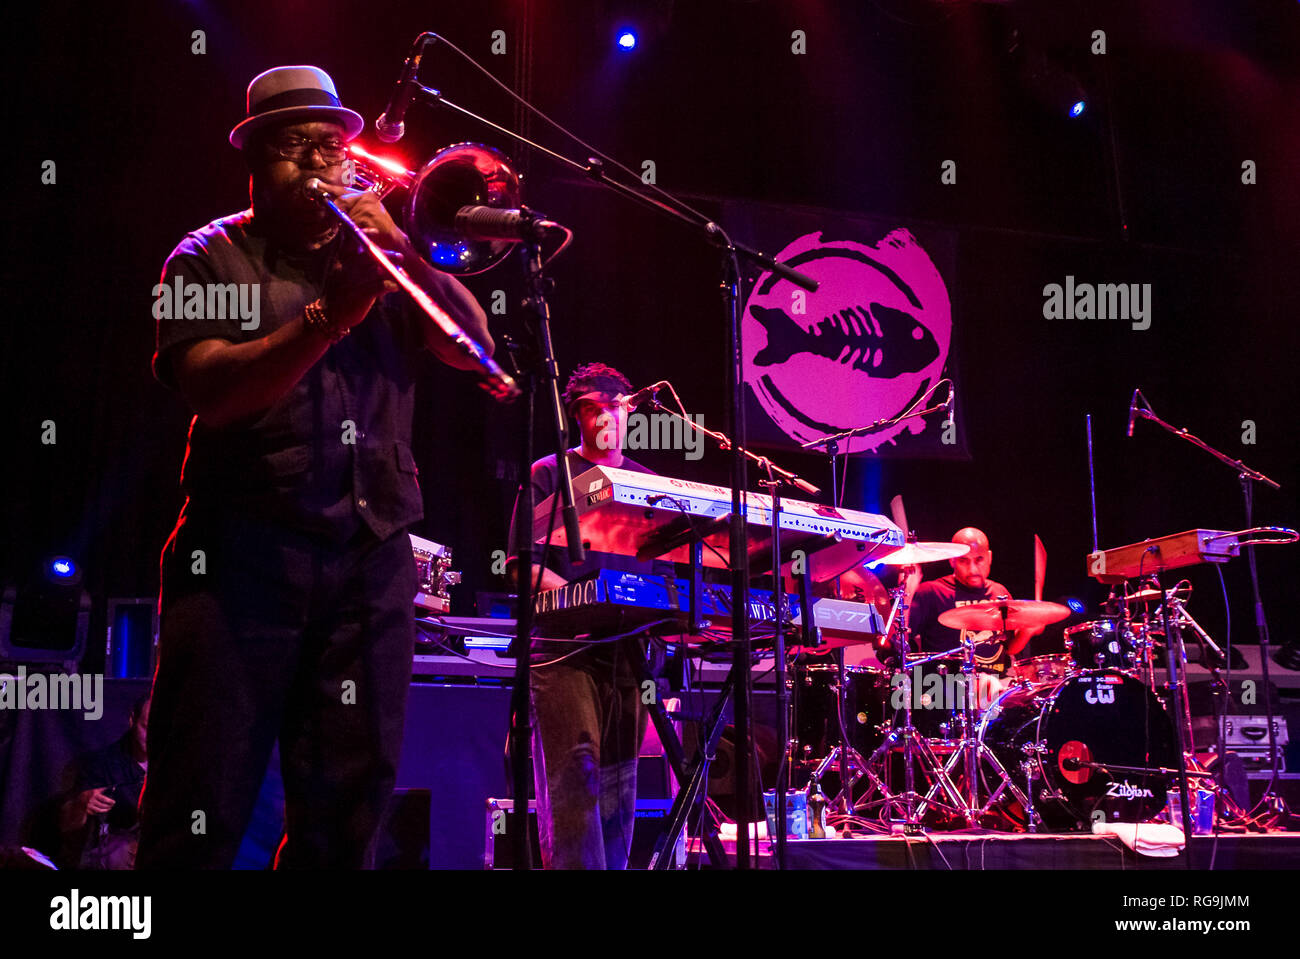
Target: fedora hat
[(294, 93)]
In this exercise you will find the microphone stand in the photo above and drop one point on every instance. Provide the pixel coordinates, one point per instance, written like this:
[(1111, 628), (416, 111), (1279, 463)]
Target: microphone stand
[(831, 441), (730, 288), (1245, 476), (544, 368)]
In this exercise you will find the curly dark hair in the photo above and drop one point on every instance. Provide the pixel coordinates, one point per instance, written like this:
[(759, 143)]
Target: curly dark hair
[(591, 378)]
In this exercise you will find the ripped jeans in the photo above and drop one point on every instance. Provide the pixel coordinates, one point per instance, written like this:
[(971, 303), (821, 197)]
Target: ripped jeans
[(588, 722)]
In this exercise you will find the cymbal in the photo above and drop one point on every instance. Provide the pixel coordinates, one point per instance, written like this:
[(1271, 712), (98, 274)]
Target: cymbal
[(914, 553), (1155, 595), (1020, 614)]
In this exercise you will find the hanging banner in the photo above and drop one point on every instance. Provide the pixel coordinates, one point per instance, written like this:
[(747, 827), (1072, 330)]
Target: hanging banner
[(868, 344)]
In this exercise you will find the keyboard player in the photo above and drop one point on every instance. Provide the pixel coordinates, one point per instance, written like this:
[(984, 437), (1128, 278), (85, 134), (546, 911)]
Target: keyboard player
[(588, 718)]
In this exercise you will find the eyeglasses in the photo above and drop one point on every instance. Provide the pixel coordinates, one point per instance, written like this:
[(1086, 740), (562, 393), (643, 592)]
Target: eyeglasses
[(297, 148)]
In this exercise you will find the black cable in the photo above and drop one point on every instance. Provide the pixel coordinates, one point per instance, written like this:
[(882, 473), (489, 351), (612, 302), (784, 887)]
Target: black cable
[(653, 188), (681, 508)]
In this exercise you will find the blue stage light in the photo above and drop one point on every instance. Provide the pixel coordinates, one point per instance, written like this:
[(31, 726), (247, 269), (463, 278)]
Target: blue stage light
[(1076, 110), (626, 40), (1076, 604), (62, 568)]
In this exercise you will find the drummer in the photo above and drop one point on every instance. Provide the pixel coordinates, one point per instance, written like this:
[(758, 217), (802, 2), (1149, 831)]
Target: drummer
[(968, 583)]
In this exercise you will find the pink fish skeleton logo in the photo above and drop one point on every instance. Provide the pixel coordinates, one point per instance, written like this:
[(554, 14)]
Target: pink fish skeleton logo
[(870, 341)]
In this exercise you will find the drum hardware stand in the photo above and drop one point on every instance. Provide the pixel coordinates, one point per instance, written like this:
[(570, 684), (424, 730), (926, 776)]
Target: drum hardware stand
[(915, 747), (1030, 767), (971, 751)]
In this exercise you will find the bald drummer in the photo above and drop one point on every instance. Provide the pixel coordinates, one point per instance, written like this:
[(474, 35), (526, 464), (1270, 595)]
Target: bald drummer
[(968, 583)]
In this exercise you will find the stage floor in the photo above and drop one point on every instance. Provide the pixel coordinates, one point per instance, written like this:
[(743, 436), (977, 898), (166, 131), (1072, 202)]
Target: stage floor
[(1000, 850)]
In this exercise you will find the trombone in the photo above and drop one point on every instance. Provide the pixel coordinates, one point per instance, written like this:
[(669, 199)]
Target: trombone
[(465, 174)]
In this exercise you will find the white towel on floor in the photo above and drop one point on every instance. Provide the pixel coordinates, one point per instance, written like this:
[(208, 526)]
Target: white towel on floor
[(1146, 839)]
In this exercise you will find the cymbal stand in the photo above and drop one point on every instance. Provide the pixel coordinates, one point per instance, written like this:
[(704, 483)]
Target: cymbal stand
[(916, 749), (972, 751)]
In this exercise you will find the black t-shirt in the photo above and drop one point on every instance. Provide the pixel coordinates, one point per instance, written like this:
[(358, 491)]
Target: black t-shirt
[(334, 452), (940, 595)]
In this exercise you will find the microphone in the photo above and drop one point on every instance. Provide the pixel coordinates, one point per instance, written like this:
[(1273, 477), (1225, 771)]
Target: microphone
[(642, 395), (391, 125), (1132, 411), (488, 223)]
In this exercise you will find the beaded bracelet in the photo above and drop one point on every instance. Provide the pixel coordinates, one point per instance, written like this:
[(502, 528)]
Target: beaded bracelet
[(317, 319)]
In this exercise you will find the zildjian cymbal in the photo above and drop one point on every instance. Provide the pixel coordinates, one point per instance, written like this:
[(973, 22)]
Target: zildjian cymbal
[(1020, 614)]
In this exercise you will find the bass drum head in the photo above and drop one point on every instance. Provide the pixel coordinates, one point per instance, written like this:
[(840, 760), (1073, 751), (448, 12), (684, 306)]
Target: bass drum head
[(1101, 717)]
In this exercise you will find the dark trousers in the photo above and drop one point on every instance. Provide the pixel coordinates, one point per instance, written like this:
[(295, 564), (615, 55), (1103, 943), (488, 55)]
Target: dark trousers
[(267, 633), (588, 722)]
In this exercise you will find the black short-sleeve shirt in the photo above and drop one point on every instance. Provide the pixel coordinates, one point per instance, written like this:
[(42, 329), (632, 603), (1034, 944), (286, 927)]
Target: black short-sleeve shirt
[(332, 455), (940, 595)]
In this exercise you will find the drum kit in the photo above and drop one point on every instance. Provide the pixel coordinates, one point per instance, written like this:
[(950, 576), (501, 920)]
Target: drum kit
[(928, 742)]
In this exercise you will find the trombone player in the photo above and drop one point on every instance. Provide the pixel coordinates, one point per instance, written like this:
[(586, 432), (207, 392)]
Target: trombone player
[(286, 584)]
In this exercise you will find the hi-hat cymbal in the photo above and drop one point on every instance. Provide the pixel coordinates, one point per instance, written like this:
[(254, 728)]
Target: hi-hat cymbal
[(914, 553), (1020, 614)]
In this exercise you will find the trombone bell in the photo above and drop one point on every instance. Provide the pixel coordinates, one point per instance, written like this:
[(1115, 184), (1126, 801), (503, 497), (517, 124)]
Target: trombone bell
[(465, 174)]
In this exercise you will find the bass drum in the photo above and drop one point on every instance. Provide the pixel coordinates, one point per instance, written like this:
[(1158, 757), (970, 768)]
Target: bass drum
[(1099, 717)]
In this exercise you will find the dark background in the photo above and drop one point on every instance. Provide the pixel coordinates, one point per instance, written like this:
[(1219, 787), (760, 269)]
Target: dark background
[(1144, 188)]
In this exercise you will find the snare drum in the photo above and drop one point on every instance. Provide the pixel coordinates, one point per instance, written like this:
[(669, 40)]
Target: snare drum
[(1104, 644), (1042, 669)]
